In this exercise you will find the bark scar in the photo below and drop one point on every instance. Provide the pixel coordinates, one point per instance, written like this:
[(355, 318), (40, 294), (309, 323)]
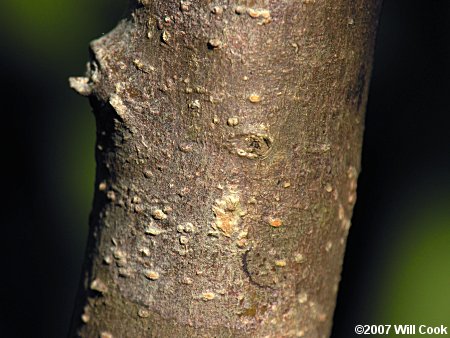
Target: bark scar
[(248, 273)]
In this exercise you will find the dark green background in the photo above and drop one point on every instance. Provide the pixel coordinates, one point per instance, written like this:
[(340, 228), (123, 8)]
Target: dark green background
[(397, 267)]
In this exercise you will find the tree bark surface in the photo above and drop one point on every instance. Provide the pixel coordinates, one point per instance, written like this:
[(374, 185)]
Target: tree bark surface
[(228, 149)]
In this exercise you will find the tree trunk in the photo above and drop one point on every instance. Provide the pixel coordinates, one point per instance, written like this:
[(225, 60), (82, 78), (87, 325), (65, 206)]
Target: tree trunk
[(228, 149)]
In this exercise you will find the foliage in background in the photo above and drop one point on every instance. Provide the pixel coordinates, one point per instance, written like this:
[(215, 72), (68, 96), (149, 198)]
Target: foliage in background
[(414, 286)]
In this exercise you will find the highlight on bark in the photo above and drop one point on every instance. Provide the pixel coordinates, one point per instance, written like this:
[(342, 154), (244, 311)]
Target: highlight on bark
[(228, 149)]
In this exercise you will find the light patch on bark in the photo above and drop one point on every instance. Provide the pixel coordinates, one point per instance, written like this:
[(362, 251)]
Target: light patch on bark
[(116, 102), (81, 85), (228, 212)]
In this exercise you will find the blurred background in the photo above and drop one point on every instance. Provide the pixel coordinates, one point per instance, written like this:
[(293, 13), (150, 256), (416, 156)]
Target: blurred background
[(397, 266)]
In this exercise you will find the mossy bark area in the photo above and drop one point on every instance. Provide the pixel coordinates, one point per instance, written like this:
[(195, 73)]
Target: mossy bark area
[(228, 148)]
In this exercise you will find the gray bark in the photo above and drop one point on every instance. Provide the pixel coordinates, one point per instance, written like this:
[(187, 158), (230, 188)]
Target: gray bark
[(228, 149)]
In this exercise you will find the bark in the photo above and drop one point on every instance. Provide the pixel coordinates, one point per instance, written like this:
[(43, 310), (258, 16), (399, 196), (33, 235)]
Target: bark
[(228, 149)]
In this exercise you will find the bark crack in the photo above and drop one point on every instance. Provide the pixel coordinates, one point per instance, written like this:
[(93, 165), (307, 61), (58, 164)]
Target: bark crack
[(248, 273)]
